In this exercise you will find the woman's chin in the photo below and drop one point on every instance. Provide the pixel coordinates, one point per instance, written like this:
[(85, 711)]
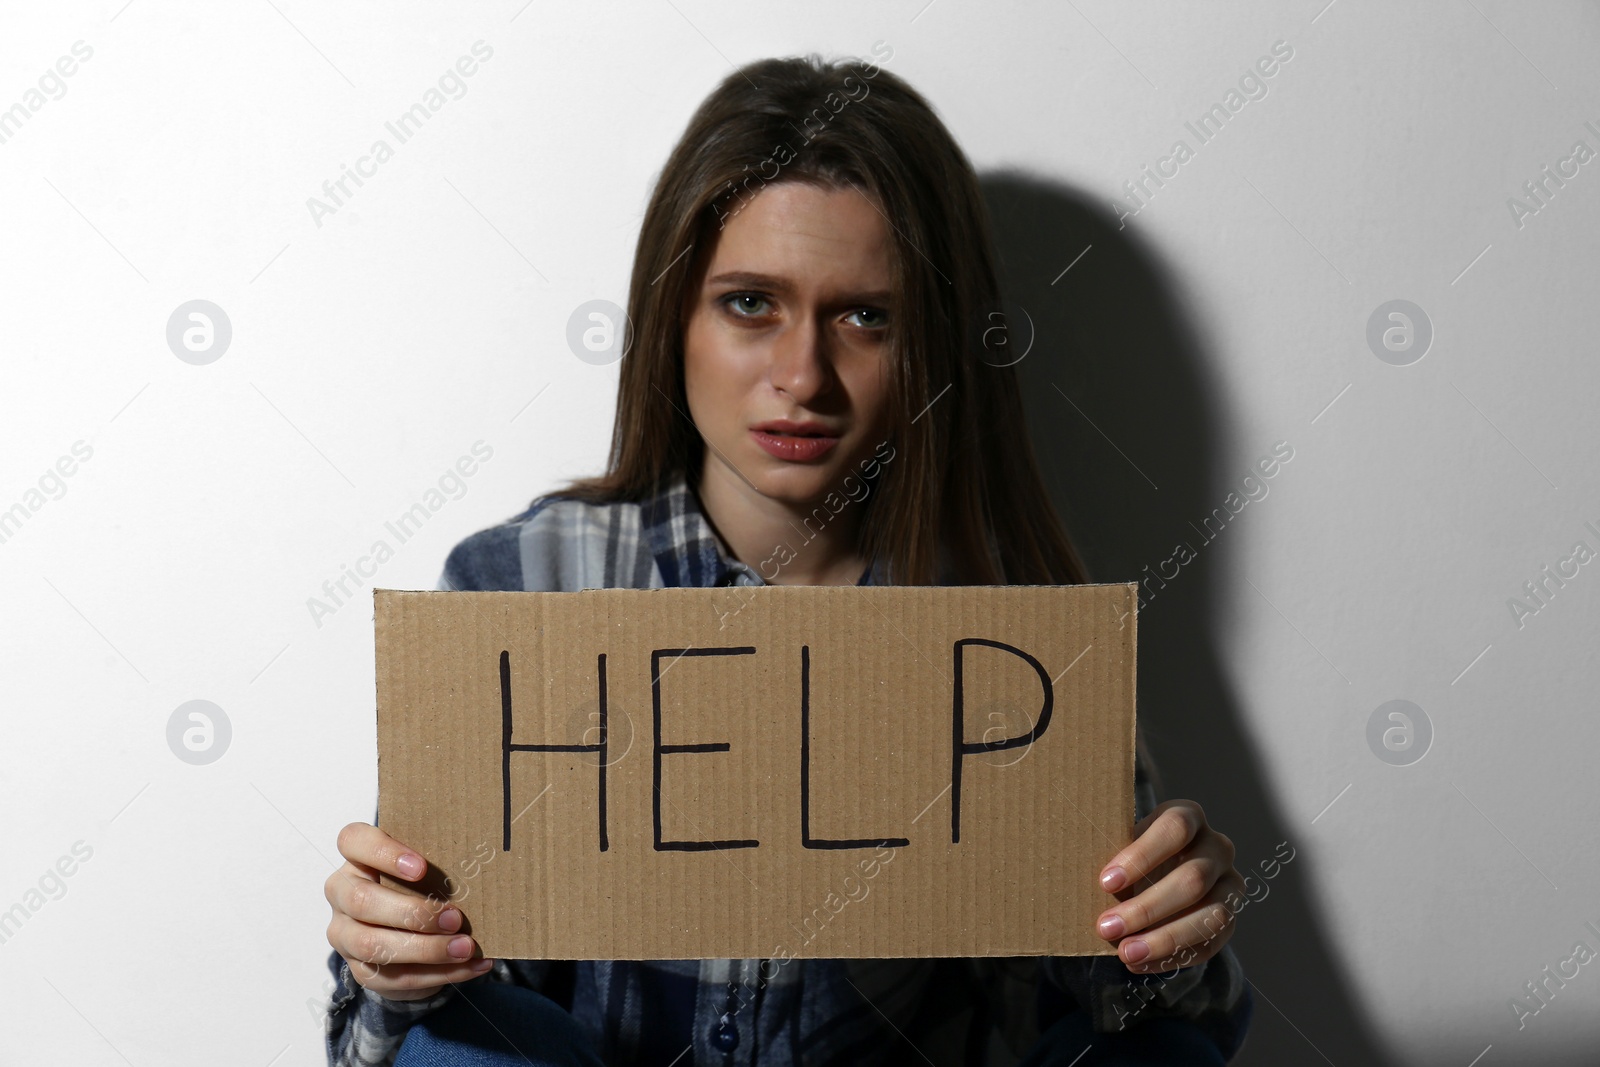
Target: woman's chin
[(798, 486)]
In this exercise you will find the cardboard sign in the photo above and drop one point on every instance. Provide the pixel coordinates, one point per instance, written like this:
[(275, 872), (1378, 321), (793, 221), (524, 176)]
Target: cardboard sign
[(755, 772)]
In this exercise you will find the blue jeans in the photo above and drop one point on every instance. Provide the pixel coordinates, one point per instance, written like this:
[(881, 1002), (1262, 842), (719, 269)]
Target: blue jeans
[(1153, 1043), (495, 1024)]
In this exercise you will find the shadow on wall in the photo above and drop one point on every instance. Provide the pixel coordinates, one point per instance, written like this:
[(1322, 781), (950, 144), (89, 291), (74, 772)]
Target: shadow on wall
[(1108, 334)]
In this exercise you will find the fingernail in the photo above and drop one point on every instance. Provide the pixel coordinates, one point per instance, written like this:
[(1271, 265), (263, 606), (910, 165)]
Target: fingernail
[(1136, 951), (410, 865), (461, 947), (1113, 879), (479, 966), (1112, 926), (449, 920)]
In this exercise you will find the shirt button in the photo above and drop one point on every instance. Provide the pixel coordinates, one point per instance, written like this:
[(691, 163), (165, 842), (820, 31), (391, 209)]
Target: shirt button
[(726, 1035)]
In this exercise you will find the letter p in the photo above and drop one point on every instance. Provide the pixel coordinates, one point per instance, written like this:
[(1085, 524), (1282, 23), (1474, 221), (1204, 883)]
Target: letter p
[(962, 748)]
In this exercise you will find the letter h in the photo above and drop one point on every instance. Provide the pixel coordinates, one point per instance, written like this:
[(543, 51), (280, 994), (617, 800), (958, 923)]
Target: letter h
[(506, 748)]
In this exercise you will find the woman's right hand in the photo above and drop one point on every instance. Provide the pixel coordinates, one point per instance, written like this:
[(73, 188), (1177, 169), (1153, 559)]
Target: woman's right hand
[(399, 943)]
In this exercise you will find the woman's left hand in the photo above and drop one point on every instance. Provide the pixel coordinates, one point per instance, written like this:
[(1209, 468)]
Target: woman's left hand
[(1173, 882)]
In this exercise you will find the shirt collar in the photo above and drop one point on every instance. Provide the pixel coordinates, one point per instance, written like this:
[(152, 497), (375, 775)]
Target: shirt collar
[(688, 551)]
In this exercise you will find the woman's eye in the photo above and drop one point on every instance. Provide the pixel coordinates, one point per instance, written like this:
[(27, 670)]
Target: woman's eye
[(754, 305), (741, 302)]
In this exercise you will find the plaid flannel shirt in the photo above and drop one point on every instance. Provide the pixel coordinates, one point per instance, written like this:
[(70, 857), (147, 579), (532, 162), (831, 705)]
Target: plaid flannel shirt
[(979, 1011)]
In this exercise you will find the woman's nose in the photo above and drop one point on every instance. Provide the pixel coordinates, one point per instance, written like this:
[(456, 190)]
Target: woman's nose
[(800, 361)]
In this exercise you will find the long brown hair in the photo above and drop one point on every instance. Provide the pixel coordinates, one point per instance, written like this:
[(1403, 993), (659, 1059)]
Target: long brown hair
[(963, 479)]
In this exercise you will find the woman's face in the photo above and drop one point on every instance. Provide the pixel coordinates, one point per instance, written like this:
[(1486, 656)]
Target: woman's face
[(786, 342)]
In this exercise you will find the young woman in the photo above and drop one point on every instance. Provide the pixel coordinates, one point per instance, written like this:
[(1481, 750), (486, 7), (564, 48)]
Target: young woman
[(811, 290)]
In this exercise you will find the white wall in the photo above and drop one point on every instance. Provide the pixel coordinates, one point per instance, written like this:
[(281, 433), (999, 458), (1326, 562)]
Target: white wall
[(372, 350)]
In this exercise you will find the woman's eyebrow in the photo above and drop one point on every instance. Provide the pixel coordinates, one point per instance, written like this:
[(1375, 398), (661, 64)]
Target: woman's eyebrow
[(774, 284)]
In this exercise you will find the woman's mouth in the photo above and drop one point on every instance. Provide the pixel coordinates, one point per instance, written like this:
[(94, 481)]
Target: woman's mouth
[(797, 444)]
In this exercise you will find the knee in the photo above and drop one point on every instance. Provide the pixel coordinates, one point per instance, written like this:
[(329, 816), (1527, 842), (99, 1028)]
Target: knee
[(1153, 1043), (488, 1019)]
